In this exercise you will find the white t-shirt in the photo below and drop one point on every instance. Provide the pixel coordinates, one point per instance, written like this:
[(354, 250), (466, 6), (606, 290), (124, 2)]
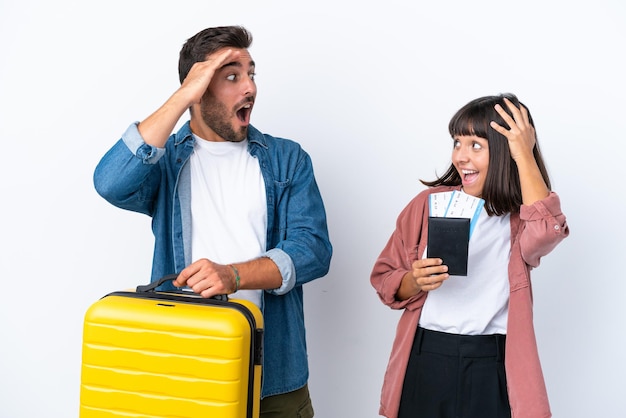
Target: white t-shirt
[(478, 303), (228, 206)]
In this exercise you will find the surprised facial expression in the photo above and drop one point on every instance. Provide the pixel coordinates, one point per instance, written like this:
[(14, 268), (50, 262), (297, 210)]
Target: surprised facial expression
[(470, 157), (227, 104)]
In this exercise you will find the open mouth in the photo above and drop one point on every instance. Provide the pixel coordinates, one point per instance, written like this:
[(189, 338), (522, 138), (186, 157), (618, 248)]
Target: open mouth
[(469, 175), (243, 114)]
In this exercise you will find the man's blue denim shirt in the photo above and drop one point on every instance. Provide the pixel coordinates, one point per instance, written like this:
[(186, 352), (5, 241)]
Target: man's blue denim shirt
[(156, 181)]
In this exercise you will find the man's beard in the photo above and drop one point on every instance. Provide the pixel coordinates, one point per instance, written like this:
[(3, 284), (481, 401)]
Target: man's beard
[(216, 117)]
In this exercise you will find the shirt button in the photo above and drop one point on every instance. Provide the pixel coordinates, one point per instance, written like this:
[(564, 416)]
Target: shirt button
[(556, 227)]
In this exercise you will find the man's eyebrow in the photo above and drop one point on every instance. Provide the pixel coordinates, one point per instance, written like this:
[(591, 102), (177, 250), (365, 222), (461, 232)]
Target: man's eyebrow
[(237, 64)]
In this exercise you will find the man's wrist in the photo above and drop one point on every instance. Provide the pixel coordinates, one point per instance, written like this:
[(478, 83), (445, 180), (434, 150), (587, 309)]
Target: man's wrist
[(236, 277)]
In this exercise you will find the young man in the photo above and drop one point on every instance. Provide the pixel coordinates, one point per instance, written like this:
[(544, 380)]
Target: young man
[(234, 210)]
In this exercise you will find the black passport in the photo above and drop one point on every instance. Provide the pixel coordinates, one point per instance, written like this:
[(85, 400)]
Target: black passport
[(448, 239)]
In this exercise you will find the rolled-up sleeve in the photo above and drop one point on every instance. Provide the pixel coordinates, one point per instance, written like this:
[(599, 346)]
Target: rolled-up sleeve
[(127, 176), (545, 226), (287, 270), (136, 144)]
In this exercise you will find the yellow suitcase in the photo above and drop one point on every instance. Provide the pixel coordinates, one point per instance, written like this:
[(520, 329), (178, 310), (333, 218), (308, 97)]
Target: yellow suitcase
[(149, 354)]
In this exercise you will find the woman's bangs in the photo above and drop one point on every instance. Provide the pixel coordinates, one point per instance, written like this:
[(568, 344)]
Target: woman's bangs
[(468, 124)]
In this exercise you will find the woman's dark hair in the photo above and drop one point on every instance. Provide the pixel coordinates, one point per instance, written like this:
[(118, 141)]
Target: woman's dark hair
[(209, 40), (502, 192)]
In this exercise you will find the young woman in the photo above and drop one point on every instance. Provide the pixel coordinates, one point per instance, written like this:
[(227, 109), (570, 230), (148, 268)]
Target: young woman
[(465, 345)]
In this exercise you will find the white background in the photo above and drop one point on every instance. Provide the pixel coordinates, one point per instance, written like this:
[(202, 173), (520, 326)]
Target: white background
[(367, 88)]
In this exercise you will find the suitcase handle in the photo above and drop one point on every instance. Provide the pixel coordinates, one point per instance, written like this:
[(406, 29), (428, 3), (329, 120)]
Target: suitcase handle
[(152, 286), (170, 277)]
